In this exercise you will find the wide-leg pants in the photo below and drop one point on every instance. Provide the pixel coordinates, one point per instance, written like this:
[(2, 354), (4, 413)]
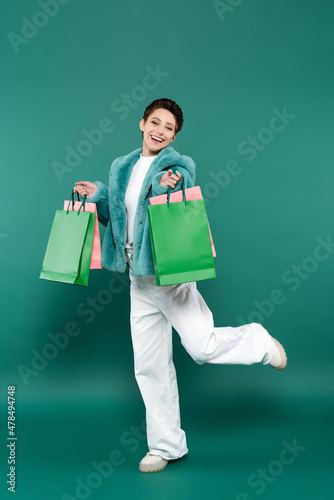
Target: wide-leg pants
[(154, 310)]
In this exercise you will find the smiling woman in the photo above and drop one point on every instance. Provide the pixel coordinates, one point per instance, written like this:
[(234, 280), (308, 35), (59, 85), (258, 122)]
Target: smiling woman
[(158, 131), (122, 207), (159, 127)]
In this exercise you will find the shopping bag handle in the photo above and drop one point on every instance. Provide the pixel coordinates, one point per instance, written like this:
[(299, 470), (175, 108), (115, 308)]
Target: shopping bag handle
[(81, 206), (183, 190)]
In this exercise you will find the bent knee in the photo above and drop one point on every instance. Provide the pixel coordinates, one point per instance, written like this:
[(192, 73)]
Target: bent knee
[(197, 352)]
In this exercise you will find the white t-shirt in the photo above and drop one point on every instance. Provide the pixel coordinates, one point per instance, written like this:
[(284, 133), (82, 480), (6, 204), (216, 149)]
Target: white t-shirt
[(138, 174)]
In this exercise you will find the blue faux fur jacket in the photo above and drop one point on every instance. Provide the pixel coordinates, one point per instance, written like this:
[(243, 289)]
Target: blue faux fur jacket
[(110, 204)]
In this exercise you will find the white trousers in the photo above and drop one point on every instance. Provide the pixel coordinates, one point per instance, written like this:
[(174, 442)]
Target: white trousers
[(154, 310)]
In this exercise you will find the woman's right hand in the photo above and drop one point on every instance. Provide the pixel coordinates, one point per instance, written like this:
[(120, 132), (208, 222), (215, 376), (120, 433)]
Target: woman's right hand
[(85, 188)]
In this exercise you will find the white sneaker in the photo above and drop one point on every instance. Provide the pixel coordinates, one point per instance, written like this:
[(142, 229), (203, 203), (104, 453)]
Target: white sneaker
[(279, 359), (152, 463)]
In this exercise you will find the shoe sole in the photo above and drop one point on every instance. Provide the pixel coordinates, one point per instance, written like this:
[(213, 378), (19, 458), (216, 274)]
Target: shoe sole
[(151, 468), (284, 358)]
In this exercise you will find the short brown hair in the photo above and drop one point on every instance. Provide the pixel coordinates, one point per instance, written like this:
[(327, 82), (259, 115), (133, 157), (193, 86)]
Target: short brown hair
[(170, 106)]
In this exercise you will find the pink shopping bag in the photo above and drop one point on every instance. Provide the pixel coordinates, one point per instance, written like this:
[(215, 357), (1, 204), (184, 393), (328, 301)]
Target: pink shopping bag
[(193, 193), (95, 262)]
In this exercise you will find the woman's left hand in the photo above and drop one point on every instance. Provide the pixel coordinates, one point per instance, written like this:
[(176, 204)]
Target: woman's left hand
[(170, 179)]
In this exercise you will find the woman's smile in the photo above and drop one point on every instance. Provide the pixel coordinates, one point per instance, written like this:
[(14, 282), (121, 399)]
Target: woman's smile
[(156, 139)]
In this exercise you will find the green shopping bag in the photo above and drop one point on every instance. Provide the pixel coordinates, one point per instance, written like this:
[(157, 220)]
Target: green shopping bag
[(69, 249), (180, 241)]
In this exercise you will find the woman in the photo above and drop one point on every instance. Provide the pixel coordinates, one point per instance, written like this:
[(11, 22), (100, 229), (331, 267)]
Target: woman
[(121, 208)]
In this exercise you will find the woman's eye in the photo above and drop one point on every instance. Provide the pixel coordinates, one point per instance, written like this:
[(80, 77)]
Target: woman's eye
[(155, 123)]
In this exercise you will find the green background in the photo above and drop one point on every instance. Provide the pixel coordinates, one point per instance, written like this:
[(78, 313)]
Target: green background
[(230, 71)]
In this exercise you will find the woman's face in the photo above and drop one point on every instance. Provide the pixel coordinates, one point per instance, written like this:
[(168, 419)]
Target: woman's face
[(159, 131)]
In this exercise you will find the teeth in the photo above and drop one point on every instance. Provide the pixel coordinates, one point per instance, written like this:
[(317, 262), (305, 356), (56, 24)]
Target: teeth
[(157, 138)]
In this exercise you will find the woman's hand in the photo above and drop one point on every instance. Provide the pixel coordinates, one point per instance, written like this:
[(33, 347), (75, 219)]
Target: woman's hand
[(170, 179), (85, 188)]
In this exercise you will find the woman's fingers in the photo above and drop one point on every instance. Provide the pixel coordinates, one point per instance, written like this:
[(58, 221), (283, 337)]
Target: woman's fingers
[(171, 173), (79, 186), (83, 187), (176, 177), (170, 179), (79, 189)]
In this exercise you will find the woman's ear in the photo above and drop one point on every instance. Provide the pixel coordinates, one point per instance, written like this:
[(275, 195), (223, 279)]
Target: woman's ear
[(141, 124)]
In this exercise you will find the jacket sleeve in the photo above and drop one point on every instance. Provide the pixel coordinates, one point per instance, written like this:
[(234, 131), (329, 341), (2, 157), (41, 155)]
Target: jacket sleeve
[(157, 188), (101, 198)]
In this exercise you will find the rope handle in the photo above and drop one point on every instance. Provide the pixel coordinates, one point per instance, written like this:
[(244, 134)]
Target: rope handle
[(182, 187), (81, 206)]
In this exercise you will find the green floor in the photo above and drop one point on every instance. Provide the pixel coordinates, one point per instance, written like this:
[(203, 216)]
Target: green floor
[(235, 443)]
